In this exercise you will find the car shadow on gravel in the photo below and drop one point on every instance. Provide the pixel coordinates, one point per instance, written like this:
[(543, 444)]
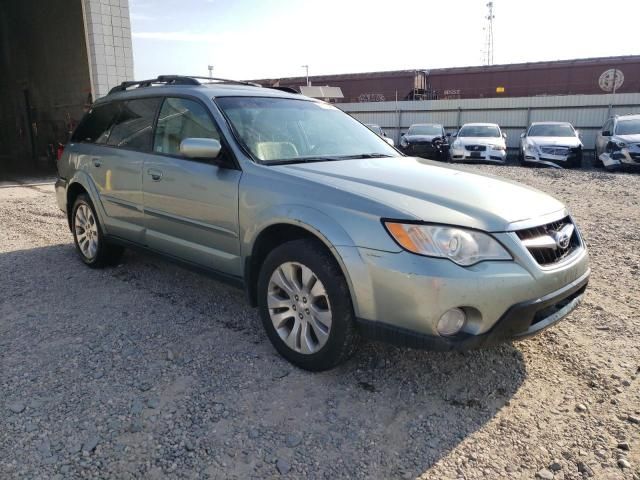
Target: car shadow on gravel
[(149, 369)]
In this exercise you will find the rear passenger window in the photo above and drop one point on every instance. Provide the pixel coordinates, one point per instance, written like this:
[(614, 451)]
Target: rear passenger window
[(94, 127), (134, 127), (179, 119)]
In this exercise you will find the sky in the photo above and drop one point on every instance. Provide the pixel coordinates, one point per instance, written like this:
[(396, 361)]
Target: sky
[(255, 39)]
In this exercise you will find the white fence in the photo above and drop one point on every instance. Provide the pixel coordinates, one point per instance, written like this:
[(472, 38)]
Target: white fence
[(587, 113)]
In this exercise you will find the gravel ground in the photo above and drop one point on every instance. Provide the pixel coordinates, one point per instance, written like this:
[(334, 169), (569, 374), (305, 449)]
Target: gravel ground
[(147, 370)]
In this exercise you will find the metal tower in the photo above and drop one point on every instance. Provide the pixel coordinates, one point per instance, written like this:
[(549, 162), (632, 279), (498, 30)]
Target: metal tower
[(488, 60)]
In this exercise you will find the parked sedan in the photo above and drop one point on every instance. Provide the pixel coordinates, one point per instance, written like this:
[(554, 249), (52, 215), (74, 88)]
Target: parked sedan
[(618, 143), (377, 129), (425, 140), (554, 144), (480, 142)]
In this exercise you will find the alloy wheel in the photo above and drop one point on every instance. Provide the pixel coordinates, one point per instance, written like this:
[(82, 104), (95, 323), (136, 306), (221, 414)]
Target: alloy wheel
[(299, 307), (86, 230)]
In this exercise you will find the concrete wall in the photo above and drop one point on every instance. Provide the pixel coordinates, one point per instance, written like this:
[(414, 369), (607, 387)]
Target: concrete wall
[(587, 113), (108, 30)]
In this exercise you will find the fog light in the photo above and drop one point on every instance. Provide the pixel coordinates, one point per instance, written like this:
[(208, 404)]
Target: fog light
[(451, 321)]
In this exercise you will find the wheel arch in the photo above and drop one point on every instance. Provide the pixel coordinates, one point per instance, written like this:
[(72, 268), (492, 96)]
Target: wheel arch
[(275, 234)]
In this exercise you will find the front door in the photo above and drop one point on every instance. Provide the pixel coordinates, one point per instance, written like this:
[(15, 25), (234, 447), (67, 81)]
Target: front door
[(190, 207)]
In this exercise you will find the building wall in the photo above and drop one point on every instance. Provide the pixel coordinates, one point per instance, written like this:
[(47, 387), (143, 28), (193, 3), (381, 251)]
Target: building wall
[(45, 83), (108, 30)]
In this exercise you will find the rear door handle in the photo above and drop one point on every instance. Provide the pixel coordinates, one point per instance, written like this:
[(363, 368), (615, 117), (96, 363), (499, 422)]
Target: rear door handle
[(156, 174)]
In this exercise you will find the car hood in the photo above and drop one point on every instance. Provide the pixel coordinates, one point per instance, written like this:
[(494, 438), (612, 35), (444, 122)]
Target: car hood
[(421, 138), (418, 189), (562, 141), (629, 138), (480, 140)]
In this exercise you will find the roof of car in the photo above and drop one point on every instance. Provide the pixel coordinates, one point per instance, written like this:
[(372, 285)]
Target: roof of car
[(627, 116), (203, 90), (476, 124), (425, 125)]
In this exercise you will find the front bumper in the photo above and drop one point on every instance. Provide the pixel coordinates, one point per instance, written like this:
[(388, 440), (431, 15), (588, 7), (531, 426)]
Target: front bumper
[(520, 321), (625, 157), (464, 155), (556, 161), (402, 295), (426, 149)]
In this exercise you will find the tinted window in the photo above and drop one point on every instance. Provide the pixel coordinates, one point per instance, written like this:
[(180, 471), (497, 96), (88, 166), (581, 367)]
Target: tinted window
[(628, 127), (479, 131), (551, 130), (94, 127), (179, 119), (425, 130), (134, 126)]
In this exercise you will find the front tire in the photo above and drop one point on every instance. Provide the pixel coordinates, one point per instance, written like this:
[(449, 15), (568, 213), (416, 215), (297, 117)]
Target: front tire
[(91, 244), (305, 305)]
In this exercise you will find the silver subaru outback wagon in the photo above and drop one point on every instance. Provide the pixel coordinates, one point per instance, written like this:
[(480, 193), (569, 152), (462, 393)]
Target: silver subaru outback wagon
[(333, 233)]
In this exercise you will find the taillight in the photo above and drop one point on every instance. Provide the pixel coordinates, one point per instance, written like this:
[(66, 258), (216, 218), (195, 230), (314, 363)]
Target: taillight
[(59, 151)]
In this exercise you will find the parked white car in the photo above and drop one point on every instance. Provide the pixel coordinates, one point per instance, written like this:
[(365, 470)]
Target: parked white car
[(554, 144), (479, 142), (618, 143)]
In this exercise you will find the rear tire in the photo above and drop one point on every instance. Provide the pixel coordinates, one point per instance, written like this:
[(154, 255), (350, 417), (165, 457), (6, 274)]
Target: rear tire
[(91, 244), (305, 305)]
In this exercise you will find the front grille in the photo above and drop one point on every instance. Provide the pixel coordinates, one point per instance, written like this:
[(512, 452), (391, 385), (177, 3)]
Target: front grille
[(476, 148), (555, 150), (540, 241)]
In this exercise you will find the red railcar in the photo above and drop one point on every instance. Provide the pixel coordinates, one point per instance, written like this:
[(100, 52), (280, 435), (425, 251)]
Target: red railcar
[(564, 77)]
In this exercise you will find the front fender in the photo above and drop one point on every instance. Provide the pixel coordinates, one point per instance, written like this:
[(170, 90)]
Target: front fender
[(327, 230)]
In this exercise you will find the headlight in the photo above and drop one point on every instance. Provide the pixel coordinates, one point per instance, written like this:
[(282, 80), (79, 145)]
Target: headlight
[(462, 246), (404, 142), (456, 144), (532, 148), (621, 144), (497, 147)]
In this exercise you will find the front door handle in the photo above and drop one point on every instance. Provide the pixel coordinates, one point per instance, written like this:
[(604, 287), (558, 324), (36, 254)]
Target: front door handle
[(156, 174)]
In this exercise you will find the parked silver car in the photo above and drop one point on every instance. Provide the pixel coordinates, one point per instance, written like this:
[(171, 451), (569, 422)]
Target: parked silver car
[(618, 143), (553, 144), (479, 142), (332, 232)]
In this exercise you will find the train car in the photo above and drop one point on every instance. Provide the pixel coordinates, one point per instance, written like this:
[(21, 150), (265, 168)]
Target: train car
[(564, 77)]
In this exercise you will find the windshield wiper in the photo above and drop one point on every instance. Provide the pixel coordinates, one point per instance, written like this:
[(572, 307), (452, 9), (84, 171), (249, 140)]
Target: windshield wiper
[(368, 155)]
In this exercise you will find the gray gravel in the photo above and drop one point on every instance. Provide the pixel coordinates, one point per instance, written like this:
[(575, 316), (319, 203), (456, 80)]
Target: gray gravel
[(147, 370)]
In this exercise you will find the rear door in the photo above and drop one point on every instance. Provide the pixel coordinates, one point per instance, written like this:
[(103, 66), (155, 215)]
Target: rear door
[(130, 140), (190, 207)]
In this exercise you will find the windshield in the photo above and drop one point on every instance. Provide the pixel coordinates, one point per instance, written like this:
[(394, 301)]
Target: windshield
[(375, 129), (425, 130), (551, 131), (281, 130), (479, 131), (628, 127)]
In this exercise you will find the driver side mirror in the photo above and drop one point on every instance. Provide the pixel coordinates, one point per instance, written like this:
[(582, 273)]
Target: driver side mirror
[(504, 135), (606, 133), (200, 148), (523, 134)]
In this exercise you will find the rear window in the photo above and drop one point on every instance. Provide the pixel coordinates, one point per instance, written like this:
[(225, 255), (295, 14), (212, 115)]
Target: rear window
[(94, 127), (134, 126)]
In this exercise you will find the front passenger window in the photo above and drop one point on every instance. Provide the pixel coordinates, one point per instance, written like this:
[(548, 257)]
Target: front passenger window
[(181, 118)]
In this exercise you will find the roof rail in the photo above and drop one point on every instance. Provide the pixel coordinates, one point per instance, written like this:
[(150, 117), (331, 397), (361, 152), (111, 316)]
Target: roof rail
[(176, 80)]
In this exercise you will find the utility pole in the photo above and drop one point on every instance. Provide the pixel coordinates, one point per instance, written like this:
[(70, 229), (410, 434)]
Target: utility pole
[(306, 67), (489, 35), (210, 67)]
